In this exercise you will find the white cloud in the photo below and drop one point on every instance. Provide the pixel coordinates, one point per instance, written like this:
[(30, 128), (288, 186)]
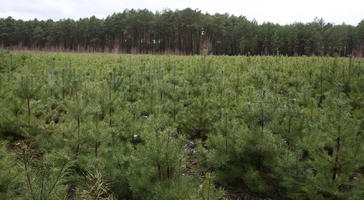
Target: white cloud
[(279, 11)]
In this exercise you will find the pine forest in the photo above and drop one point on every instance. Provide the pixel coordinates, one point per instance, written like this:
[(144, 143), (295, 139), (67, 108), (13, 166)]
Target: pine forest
[(166, 127)]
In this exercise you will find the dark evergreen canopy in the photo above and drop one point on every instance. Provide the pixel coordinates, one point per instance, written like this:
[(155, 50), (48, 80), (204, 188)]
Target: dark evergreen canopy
[(185, 31)]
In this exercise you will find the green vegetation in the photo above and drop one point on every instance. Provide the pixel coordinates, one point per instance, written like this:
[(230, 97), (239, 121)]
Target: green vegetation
[(104, 126), (182, 32)]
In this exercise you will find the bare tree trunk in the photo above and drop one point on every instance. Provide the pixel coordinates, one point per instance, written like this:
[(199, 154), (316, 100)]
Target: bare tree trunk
[(361, 50)]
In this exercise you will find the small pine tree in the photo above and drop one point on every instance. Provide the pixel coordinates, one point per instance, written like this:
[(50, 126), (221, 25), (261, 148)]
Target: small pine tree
[(27, 89), (335, 152)]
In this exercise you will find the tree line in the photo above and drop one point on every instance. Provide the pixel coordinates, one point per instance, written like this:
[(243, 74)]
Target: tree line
[(182, 32)]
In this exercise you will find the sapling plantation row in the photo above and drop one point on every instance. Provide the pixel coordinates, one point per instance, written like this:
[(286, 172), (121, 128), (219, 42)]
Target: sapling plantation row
[(104, 126)]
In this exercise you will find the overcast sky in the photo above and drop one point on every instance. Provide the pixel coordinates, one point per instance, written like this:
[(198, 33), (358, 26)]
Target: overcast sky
[(276, 11)]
